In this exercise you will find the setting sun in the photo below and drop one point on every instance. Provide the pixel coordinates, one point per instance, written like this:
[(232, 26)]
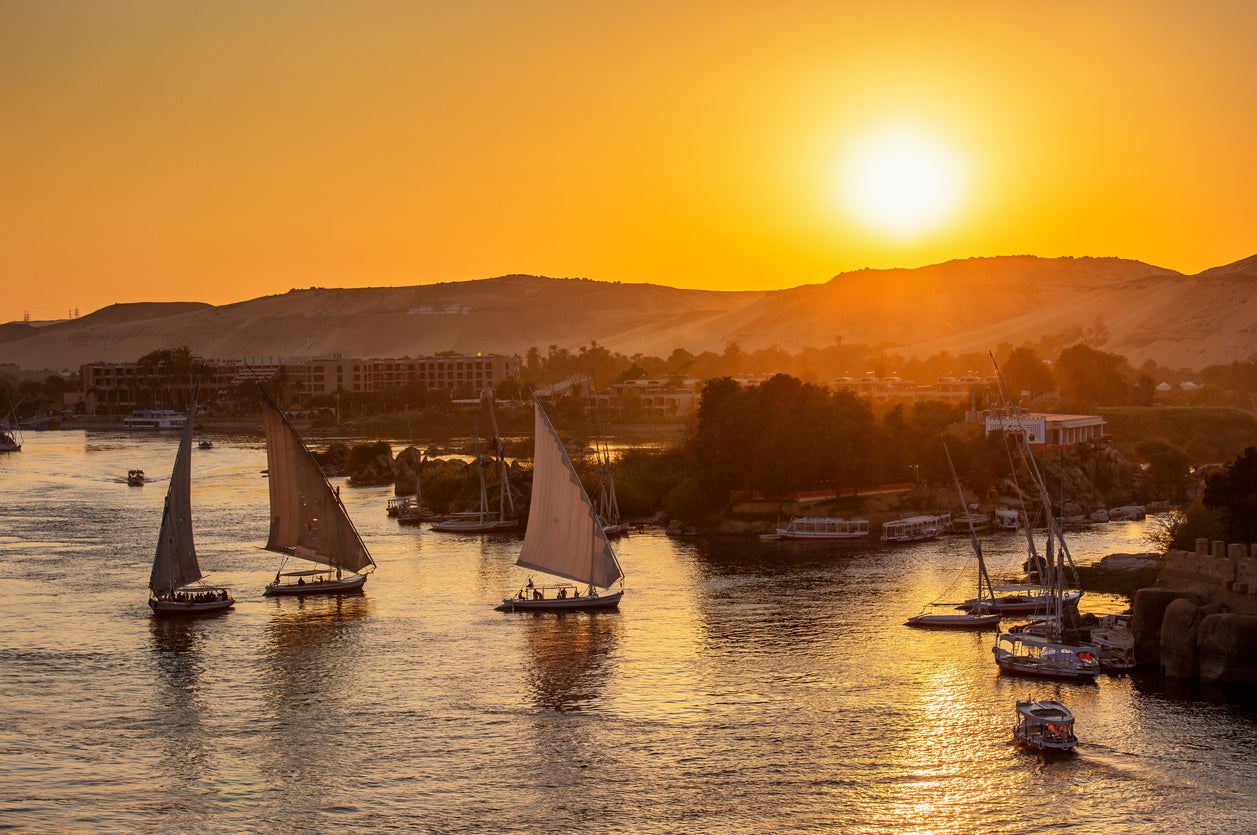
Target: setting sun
[(901, 183)]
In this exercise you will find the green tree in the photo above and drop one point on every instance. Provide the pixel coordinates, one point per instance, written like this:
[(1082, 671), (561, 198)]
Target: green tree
[(1024, 370), (1168, 468), (1233, 494), (1087, 378)]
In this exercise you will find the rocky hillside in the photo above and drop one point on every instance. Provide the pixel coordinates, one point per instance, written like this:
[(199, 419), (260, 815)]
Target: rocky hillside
[(1145, 312)]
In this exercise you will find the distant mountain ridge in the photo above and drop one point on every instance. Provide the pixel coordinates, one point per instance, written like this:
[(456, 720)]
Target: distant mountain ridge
[(959, 306)]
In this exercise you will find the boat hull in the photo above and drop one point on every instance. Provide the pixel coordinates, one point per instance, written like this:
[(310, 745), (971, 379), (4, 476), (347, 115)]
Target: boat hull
[(561, 604), (345, 585), (990, 621), (1034, 668), (184, 609), (475, 527)]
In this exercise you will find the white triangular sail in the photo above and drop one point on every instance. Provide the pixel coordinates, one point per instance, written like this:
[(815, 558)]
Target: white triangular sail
[(564, 537), (175, 564), (307, 518)]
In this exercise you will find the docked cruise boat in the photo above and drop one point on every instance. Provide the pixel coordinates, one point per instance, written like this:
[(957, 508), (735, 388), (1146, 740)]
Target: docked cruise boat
[(1006, 519), (914, 528), (1045, 726), (970, 520), (820, 527), (155, 419)]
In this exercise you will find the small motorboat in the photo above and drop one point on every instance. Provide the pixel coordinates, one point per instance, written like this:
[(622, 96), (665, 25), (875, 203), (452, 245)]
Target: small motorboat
[(1045, 726), (206, 443), (135, 478)]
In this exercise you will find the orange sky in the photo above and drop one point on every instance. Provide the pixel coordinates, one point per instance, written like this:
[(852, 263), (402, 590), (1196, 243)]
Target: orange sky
[(219, 151)]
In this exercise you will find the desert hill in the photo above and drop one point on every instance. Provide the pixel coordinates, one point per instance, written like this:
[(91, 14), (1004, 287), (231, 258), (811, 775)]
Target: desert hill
[(1144, 312)]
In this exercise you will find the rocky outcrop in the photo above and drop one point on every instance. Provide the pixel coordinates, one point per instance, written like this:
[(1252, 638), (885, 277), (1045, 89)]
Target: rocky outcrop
[(1224, 647), (1147, 617), (1200, 621), (1179, 650)]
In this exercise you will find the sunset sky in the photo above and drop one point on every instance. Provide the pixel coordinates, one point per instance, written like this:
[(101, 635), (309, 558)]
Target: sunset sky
[(220, 151)]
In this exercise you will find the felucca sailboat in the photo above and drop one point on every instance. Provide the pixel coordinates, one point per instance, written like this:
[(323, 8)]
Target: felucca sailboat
[(484, 520), (175, 567), (564, 537), (308, 520), (980, 616)]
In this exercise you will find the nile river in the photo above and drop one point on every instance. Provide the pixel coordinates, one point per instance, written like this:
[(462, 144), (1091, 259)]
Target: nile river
[(742, 686)]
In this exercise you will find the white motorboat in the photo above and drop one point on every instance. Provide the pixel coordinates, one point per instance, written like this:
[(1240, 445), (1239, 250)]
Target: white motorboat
[(821, 527)]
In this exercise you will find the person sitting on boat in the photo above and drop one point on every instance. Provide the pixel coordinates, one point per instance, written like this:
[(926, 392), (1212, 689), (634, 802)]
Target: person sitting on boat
[(538, 594)]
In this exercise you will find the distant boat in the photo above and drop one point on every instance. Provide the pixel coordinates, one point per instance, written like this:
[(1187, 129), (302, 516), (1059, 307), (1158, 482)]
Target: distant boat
[(411, 510), (1116, 643), (308, 520), (206, 443), (970, 520), (485, 520), (608, 505), (175, 566), (1007, 518), (820, 527), (980, 615), (1045, 726), (136, 478), (564, 537), (156, 419), (9, 440), (914, 528)]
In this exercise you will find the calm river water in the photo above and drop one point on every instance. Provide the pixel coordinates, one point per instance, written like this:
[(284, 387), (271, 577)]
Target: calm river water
[(742, 687)]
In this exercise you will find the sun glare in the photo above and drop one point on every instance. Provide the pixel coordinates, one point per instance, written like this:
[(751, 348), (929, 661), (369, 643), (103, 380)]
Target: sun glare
[(901, 183)]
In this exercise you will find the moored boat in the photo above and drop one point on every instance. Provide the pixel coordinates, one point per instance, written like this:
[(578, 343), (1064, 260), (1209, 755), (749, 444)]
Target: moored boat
[(155, 419), (980, 615), (821, 527), (1006, 519), (970, 520), (914, 528), (1039, 656), (483, 519), (1116, 643), (1022, 599)]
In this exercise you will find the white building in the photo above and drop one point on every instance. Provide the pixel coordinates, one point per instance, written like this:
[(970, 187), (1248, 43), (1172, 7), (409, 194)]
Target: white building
[(1049, 430)]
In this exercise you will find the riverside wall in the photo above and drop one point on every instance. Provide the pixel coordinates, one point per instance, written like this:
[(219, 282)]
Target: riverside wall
[(1199, 621)]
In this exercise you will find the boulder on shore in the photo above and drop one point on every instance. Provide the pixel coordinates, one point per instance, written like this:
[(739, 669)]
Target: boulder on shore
[(1147, 615), (1226, 647)]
